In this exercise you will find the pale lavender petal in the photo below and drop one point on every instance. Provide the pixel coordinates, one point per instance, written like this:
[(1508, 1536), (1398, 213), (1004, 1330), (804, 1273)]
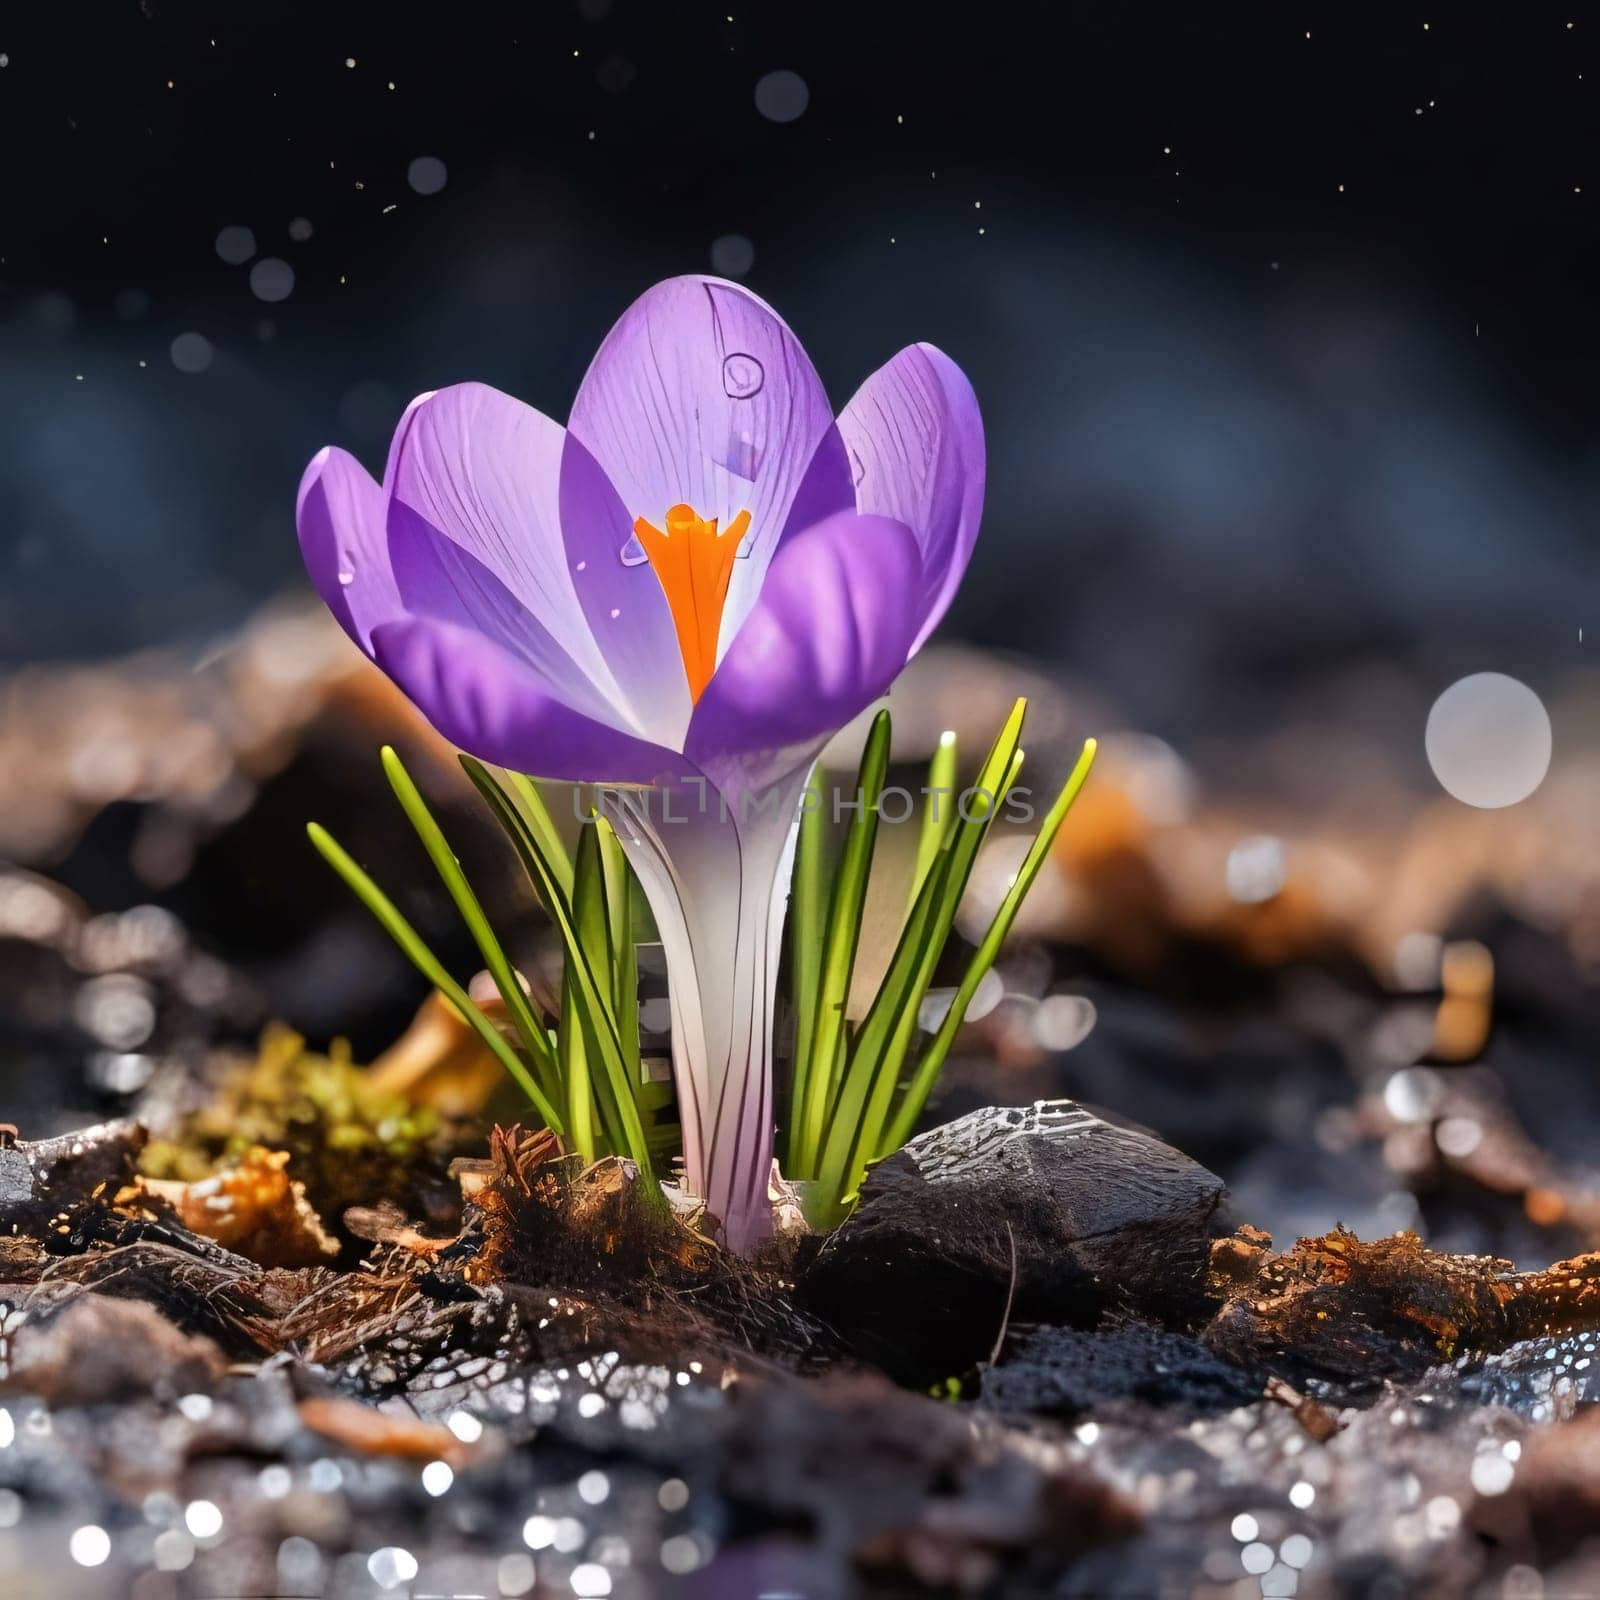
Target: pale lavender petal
[(339, 517), (832, 628), (915, 439), (622, 604), (484, 470), (443, 582), (825, 489), (700, 395), (491, 705)]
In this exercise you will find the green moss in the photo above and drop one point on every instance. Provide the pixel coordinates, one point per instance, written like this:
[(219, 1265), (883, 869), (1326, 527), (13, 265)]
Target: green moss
[(348, 1142)]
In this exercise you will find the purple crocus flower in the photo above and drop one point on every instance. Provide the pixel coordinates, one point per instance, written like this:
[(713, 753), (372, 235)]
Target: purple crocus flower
[(682, 593)]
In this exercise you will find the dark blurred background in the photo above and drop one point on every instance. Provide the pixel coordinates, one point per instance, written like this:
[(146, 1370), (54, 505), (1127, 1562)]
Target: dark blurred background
[(1282, 316)]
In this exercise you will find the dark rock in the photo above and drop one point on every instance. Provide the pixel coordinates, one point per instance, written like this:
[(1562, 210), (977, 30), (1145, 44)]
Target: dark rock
[(1064, 1372), (1083, 1216), (39, 1178)]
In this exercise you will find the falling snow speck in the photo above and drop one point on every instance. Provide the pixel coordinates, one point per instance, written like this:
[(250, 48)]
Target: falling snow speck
[(782, 96), (300, 229), (427, 175)]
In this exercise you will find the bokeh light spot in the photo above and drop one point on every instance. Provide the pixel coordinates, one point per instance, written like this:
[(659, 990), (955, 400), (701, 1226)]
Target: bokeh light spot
[(192, 352), (782, 96), (272, 279), (732, 255), (427, 175), (1488, 740), (236, 244)]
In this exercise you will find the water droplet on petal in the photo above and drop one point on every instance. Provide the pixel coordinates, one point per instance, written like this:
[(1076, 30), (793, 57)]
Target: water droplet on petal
[(346, 577), (633, 553), (582, 566), (742, 376), (616, 611)]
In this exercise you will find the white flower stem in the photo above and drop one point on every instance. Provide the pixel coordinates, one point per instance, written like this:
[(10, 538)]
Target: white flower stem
[(716, 873)]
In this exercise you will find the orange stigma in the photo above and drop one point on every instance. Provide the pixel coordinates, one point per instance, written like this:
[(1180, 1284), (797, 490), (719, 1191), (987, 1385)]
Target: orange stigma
[(693, 563)]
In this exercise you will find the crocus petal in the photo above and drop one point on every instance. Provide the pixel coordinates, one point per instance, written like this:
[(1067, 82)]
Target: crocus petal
[(700, 396), (823, 490), (623, 604), (442, 582), (339, 517), (916, 452), (493, 706), (484, 470), (831, 629)]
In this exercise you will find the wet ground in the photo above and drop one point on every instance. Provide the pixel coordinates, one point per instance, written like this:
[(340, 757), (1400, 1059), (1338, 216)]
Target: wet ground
[(1385, 1022)]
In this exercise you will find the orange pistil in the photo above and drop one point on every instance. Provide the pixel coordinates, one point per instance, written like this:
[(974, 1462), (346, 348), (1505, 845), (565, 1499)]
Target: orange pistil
[(693, 563)]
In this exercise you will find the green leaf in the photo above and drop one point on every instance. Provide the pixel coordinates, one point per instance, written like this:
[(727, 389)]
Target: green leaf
[(523, 794), (807, 908), (885, 1036), (600, 1027), (817, 1087), (624, 957), (573, 1054), (528, 1026), (939, 816), (983, 958), (616, 1092), (429, 965)]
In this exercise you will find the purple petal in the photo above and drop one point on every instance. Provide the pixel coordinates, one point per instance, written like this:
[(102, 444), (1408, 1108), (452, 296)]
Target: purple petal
[(339, 517), (442, 582), (623, 605), (494, 707), (916, 451), (484, 470), (825, 489), (700, 395), (831, 629)]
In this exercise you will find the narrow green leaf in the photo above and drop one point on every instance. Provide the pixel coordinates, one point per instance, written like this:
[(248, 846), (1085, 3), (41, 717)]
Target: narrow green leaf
[(600, 1025), (885, 1035), (429, 965), (592, 919), (524, 795), (983, 958), (807, 908), (528, 1026), (938, 816), (573, 1053), (839, 952), (624, 954)]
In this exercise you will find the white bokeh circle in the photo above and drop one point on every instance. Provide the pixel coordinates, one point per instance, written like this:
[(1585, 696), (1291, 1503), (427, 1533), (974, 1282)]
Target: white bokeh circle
[(1488, 740)]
